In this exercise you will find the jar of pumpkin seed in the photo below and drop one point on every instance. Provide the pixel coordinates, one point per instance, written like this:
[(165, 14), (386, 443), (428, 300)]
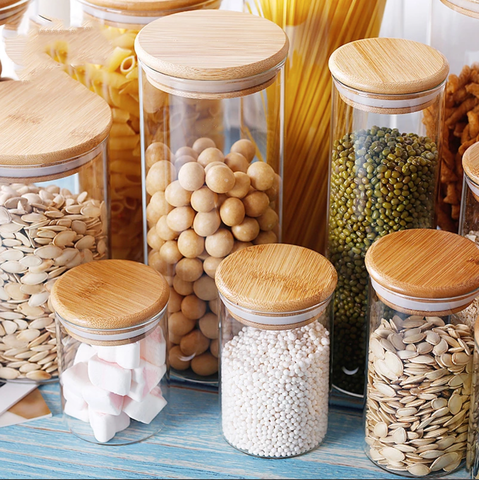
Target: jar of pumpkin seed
[(53, 210), (420, 353)]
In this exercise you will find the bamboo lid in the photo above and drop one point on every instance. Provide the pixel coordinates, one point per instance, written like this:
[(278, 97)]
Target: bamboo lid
[(49, 119), (470, 162), (213, 45), (11, 3), (276, 278), (425, 263), (147, 6), (109, 294), (466, 7), (388, 66)]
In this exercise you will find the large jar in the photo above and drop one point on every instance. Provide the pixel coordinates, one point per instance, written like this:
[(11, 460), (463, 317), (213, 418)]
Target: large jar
[(213, 132), (420, 352), (274, 349), (53, 210), (460, 19), (111, 331), (384, 172)]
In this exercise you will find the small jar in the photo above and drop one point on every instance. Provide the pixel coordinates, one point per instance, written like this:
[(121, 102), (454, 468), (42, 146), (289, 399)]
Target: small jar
[(275, 338), (383, 175), (420, 352), (111, 330), (212, 160), (53, 210)]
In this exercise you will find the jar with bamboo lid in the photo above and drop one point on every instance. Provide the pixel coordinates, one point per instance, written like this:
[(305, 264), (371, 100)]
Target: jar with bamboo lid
[(212, 186), (274, 349), (383, 173), (53, 210), (420, 351), (111, 330)]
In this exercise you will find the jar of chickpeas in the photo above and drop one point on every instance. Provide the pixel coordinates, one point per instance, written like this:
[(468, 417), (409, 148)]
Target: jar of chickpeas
[(213, 128)]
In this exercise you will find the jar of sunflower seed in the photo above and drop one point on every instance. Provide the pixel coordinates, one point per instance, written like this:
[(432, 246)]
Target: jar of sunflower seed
[(420, 353), (53, 215), (383, 175)]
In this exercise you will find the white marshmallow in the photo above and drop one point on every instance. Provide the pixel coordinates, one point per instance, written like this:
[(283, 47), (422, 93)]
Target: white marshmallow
[(76, 378), (146, 410), (78, 413), (145, 379), (74, 400), (153, 348), (103, 401), (109, 376), (105, 426), (84, 353), (127, 356)]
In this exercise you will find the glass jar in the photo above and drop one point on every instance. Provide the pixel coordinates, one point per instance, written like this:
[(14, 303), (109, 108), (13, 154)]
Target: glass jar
[(274, 349), (212, 157), (111, 329), (384, 172), (53, 210), (420, 352), (460, 19), (472, 457)]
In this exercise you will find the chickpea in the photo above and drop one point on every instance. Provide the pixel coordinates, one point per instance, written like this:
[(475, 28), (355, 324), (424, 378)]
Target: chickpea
[(186, 151), (273, 192), (204, 365), (209, 326), (153, 239), (191, 176), (182, 287), (221, 199), (205, 288), (174, 339), (177, 359), (189, 269), (246, 148), (211, 264), (193, 307), (206, 224), (164, 231), (170, 253), (247, 230), (180, 218), (180, 325), (265, 237), (156, 261), (210, 155), (255, 204), (220, 179), (204, 200), (190, 244), (160, 175), (220, 243), (236, 162), (176, 195), (214, 306), (202, 144), (268, 220), (241, 187), (232, 212), (183, 160), (174, 302), (262, 175), (157, 207), (215, 348), (156, 152), (194, 343), (214, 164)]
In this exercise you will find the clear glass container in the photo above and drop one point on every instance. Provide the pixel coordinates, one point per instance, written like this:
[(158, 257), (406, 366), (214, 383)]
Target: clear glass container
[(53, 211), (383, 174), (112, 353), (420, 351), (275, 349), (212, 160), (472, 457)]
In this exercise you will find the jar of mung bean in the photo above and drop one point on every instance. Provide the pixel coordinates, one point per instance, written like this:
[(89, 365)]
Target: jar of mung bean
[(420, 352), (275, 349), (212, 161), (383, 173), (53, 210)]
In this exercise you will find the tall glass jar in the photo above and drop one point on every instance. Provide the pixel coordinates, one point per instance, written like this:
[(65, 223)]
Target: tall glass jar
[(111, 329), (472, 457), (212, 132), (383, 175), (53, 210), (274, 349), (420, 352), (460, 19)]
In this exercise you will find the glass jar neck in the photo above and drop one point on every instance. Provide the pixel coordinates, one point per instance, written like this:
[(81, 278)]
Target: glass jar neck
[(466, 7)]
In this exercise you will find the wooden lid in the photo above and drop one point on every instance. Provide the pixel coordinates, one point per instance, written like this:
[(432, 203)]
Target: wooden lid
[(11, 3), (127, 7), (470, 162), (109, 294), (49, 119), (425, 263), (466, 7), (390, 66), (212, 45), (276, 278)]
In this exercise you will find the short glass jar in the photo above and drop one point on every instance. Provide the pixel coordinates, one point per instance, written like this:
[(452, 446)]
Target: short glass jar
[(212, 132), (383, 175), (111, 329), (53, 210), (274, 349), (420, 352)]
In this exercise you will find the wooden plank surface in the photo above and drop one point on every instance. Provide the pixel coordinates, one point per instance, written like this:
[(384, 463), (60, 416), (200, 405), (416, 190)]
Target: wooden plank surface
[(190, 446)]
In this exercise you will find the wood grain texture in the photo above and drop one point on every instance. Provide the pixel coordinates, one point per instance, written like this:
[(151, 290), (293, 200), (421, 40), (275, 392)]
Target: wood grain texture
[(147, 7), (190, 446), (276, 278), (212, 45), (7, 4), (460, 7), (470, 162), (388, 66), (425, 263), (110, 294)]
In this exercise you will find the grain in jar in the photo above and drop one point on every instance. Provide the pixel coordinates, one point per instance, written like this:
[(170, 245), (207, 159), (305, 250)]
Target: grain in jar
[(211, 187)]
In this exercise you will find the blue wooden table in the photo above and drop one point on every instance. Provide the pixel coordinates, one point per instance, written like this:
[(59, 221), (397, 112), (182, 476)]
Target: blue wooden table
[(190, 446)]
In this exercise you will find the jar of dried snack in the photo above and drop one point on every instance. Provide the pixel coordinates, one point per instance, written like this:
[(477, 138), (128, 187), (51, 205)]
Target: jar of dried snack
[(455, 33), (420, 352), (213, 134), (383, 175), (275, 338), (111, 330), (53, 210)]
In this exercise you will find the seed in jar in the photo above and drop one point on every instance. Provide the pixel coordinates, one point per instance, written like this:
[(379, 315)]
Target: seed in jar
[(205, 288), (210, 155), (220, 243), (160, 175), (205, 364), (214, 164), (190, 244), (220, 179), (236, 162), (177, 359), (268, 220), (202, 144), (204, 200), (232, 211), (182, 160), (176, 195), (193, 307), (208, 325), (245, 148), (180, 218), (170, 253), (156, 261), (210, 265), (240, 245), (255, 203), (182, 287), (180, 325), (164, 231), (189, 269), (191, 176), (156, 152), (157, 207), (215, 347), (265, 237), (207, 223), (194, 343), (247, 230), (241, 187), (153, 239), (174, 302), (186, 151)]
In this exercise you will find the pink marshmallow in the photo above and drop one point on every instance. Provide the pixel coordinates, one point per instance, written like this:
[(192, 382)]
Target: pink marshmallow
[(76, 378), (105, 426), (153, 348), (145, 379), (78, 413), (109, 376), (127, 356), (146, 410), (74, 400), (84, 353), (103, 401)]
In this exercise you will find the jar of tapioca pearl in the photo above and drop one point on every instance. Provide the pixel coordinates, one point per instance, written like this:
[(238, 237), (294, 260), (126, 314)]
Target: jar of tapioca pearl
[(212, 156)]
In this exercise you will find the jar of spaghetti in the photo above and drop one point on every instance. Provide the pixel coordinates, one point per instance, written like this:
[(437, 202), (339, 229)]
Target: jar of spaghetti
[(213, 131), (420, 352), (111, 330), (53, 210), (383, 175), (275, 339)]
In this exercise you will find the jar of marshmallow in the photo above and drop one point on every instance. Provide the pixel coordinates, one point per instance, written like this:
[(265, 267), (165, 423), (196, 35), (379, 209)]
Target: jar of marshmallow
[(275, 348), (111, 327)]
